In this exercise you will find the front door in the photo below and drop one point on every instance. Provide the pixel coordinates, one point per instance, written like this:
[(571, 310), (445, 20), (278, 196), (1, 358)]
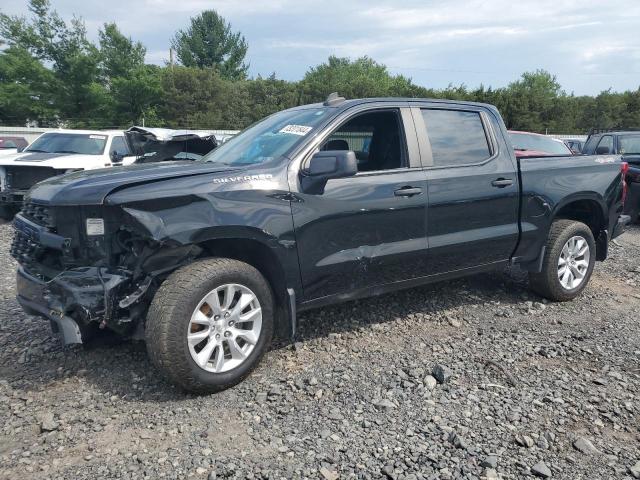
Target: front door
[(369, 229)]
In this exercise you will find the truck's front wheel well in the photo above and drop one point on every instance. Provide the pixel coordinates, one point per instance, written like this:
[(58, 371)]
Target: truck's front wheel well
[(589, 213), (260, 257)]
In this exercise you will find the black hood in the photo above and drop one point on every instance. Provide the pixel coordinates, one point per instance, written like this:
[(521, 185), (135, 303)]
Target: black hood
[(90, 187), (38, 156)]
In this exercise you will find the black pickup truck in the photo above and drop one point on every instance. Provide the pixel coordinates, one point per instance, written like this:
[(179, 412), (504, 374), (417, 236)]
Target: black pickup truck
[(314, 205)]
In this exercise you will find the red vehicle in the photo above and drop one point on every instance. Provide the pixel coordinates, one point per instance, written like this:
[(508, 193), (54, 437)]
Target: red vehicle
[(527, 144), (12, 142)]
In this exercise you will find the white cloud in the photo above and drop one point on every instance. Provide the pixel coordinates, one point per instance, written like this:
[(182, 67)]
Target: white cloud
[(435, 41)]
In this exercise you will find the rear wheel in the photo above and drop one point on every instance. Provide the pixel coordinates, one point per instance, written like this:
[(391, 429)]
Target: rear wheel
[(209, 324), (568, 261)]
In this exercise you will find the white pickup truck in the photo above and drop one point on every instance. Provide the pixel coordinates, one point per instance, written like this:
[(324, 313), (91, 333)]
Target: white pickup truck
[(64, 151), (55, 153)]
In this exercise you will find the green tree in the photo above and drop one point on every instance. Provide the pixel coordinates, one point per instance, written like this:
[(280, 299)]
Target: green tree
[(120, 55), (193, 98), (26, 89), (133, 87), (134, 97), (210, 42), (531, 101), (363, 77), (75, 60)]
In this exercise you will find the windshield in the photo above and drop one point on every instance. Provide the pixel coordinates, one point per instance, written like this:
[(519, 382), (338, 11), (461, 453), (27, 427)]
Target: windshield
[(538, 143), (270, 138), (86, 144), (629, 144)]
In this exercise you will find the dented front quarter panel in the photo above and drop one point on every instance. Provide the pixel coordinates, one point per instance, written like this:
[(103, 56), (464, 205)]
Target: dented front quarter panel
[(235, 205)]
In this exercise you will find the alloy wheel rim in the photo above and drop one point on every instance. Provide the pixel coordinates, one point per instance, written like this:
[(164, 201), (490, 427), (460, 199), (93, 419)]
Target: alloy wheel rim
[(224, 328), (573, 263)]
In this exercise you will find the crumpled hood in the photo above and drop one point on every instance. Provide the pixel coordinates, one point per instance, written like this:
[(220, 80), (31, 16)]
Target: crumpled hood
[(92, 186), (162, 144)]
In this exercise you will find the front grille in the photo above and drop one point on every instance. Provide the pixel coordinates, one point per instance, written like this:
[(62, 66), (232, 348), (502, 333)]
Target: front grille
[(38, 213), (25, 250), (23, 178)]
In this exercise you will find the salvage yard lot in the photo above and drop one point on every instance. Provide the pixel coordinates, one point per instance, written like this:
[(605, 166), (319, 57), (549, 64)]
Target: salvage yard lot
[(530, 382)]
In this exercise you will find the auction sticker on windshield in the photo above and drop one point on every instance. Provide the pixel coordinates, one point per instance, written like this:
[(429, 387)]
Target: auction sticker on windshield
[(97, 137), (296, 129)]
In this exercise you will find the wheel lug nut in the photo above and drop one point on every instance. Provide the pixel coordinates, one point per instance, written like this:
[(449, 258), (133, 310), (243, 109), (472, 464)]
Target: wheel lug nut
[(226, 315), (231, 323), (217, 336), (217, 317), (227, 334)]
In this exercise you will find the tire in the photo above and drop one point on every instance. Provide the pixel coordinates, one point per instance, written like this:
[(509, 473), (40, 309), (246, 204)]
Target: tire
[(178, 302), (547, 282)]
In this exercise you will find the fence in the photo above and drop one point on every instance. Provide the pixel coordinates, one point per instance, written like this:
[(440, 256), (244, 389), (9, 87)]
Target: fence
[(31, 133), (357, 141)]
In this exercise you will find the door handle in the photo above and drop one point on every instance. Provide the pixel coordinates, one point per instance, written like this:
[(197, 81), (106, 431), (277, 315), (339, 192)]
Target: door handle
[(502, 182), (407, 191)]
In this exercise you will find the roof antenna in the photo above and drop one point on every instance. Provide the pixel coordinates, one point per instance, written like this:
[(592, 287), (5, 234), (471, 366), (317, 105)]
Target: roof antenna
[(333, 99)]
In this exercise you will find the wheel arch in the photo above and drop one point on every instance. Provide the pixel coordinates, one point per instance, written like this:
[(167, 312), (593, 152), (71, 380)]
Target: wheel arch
[(263, 258), (589, 210)]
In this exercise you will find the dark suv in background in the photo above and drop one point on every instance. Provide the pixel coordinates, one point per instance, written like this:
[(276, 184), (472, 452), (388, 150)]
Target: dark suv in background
[(627, 144)]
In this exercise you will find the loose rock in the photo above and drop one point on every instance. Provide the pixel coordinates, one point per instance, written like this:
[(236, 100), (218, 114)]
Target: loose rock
[(441, 373), (541, 470)]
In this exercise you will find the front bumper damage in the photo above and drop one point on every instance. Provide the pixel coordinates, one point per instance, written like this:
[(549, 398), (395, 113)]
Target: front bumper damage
[(79, 299), (73, 299)]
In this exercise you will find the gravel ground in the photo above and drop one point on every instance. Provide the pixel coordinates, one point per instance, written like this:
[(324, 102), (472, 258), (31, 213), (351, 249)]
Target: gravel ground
[(530, 389)]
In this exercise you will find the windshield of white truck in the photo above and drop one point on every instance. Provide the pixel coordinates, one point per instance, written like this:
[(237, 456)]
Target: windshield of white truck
[(70, 143), (270, 138)]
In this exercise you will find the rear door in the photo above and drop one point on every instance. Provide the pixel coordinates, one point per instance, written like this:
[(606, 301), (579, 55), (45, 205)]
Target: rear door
[(472, 184), (369, 229)]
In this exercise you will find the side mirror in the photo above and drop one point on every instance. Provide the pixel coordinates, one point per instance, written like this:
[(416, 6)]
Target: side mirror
[(332, 164), (602, 151), (20, 148), (116, 157), (326, 165)]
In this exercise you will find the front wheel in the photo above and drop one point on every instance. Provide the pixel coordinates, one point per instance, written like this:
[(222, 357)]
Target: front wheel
[(568, 261), (209, 324)]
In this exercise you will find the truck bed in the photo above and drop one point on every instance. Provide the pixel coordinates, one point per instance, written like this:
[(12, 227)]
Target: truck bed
[(593, 180)]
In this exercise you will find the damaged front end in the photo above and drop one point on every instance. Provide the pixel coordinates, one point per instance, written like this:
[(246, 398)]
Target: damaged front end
[(87, 268)]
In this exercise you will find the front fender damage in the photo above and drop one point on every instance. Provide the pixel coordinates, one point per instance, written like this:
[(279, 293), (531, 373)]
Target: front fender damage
[(115, 298)]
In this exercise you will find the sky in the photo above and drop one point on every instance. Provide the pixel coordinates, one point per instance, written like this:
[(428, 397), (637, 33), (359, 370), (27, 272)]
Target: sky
[(589, 45)]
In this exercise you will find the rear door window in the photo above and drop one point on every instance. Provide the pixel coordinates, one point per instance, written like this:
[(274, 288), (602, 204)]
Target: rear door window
[(457, 137)]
